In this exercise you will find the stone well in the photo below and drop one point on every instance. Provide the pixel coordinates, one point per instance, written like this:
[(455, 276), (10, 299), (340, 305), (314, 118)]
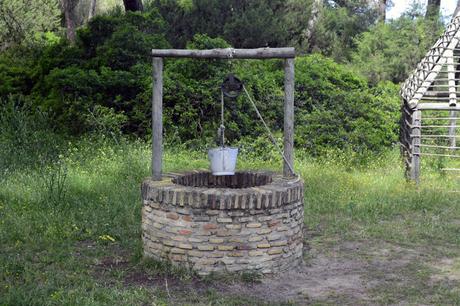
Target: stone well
[(250, 221)]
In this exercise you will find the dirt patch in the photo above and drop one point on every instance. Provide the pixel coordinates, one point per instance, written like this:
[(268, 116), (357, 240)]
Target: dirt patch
[(447, 269), (345, 272)]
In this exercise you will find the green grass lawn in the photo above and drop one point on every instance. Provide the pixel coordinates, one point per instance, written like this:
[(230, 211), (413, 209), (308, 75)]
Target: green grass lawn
[(70, 233)]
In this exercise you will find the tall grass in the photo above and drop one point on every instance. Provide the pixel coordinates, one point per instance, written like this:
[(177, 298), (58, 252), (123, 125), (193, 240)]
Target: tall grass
[(66, 204)]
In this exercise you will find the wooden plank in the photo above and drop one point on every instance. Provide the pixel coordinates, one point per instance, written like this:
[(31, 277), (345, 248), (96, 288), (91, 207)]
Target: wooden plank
[(417, 132), (289, 117), (157, 119), (453, 129), (437, 106), (227, 53)]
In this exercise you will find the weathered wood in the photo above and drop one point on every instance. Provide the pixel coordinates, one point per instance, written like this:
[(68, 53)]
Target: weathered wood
[(228, 53), (416, 134), (438, 106), (157, 118), (288, 117), (452, 129)]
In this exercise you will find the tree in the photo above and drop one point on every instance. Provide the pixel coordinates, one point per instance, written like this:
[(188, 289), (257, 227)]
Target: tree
[(315, 11), (432, 9), (382, 10), (68, 7), (24, 22), (92, 9), (133, 5)]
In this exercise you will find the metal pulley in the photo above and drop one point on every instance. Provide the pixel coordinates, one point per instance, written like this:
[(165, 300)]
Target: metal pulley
[(232, 86)]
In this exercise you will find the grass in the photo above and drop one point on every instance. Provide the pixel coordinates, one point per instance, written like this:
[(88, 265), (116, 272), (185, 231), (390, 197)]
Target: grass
[(70, 229)]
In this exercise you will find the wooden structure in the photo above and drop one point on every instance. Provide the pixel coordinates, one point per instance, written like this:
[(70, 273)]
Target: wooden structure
[(430, 104), (288, 54)]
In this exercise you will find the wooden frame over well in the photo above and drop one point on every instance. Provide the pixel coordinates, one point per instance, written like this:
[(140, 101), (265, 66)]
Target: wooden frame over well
[(288, 54), (432, 90)]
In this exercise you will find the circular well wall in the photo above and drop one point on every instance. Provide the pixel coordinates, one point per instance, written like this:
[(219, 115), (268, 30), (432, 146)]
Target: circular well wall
[(250, 221)]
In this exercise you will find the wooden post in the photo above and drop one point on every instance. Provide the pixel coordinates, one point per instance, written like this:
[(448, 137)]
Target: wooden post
[(416, 140), (157, 118), (288, 117), (452, 95)]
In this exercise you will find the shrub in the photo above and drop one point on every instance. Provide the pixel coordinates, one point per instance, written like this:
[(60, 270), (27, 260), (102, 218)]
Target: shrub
[(336, 109)]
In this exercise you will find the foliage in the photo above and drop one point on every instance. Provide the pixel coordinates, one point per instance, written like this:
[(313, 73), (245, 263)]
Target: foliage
[(27, 22), (335, 108), (26, 137), (109, 67), (390, 51), (244, 24), (339, 23)]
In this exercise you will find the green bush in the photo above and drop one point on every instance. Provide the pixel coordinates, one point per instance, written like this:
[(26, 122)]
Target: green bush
[(336, 109), (108, 67)]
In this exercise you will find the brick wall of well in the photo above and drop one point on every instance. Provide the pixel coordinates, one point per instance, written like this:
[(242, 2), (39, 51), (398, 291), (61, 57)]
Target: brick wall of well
[(222, 229)]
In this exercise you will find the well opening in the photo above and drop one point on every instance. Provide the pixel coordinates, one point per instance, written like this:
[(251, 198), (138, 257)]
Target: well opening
[(243, 179)]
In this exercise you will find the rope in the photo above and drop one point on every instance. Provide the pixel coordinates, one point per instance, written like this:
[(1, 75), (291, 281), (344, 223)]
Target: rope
[(270, 135), (222, 123)]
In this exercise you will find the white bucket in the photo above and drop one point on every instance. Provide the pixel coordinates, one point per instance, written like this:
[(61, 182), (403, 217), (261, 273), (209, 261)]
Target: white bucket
[(223, 160)]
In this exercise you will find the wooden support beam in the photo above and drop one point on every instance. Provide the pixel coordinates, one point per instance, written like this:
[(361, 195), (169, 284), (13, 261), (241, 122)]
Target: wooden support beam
[(228, 53), (416, 135), (157, 119), (437, 106), (288, 166), (453, 129)]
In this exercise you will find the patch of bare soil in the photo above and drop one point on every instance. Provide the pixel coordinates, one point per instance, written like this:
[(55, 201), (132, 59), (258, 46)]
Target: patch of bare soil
[(344, 273), (339, 272)]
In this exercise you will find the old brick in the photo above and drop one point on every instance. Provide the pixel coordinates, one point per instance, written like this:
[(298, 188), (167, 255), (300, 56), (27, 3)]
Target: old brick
[(187, 218), (210, 226), (185, 246), (172, 216), (273, 237), (205, 247), (216, 240), (195, 253), (273, 223), (212, 212), (169, 243), (246, 219), (223, 233), (255, 238), (279, 243), (197, 240), (264, 231), (225, 247), (185, 232), (224, 220), (265, 218), (253, 225), (275, 251), (177, 251), (157, 225), (233, 226), (263, 245), (256, 253)]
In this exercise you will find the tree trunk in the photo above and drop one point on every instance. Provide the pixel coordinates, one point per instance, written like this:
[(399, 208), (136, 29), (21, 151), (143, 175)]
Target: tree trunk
[(382, 10), (92, 9), (68, 9), (432, 9), (133, 5), (315, 11)]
